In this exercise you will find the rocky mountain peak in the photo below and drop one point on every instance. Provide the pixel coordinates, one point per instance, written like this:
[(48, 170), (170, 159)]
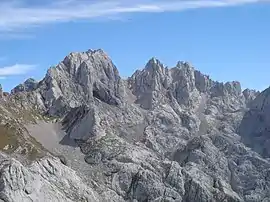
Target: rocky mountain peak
[(184, 65), (250, 94), (79, 79), (29, 85), (146, 83), (184, 71), (154, 64), (233, 87)]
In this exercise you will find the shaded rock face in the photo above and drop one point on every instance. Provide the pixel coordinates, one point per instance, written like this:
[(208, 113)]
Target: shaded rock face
[(1, 91), (164, 134), (250, 95), (5, 94), (255, 127), (28, 85)]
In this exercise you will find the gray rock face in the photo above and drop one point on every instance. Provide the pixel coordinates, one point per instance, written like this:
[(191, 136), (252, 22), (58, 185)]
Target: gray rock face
[(250, 95), (254, 127), (203, 83), (1, 91), (46, 180), (28, 85), (164, 134), (155, 81)]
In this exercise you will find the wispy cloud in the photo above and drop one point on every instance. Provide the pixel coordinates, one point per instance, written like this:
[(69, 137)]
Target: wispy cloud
[(18, 14), (17, 69)]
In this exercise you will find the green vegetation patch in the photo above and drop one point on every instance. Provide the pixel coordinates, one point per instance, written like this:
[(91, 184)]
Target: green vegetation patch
[(8, 139), (34, 154)]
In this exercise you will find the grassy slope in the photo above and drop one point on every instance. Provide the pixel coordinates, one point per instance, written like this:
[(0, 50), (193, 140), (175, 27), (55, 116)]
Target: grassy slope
[(13, 135)]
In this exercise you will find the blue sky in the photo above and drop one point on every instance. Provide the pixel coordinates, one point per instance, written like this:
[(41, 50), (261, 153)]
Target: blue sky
[(226, 39)]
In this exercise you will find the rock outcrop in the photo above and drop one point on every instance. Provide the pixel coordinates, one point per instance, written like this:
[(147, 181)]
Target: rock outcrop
[(46, 180), (29, 85), (250, 95), (255, 127), (164, 134), (1, 91), (78, 79)]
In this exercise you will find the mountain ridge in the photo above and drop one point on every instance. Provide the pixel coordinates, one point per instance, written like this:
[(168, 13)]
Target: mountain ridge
[(104, 52)]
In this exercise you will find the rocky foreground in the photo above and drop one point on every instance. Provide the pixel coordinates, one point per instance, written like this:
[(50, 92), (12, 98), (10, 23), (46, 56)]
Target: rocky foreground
[(164, 134)]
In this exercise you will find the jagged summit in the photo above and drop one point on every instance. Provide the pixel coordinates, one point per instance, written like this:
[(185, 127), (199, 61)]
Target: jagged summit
[(100, 51), (82, 76), (79, 61), (184, 64), (89, 51), (153, 62), (29, 85)]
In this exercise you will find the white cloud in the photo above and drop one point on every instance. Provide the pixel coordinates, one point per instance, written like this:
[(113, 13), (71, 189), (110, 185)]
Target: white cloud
[(17, 69), (17, 15)]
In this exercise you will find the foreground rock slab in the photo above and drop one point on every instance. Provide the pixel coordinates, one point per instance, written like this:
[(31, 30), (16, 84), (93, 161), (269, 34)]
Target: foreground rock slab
[(45, 180)]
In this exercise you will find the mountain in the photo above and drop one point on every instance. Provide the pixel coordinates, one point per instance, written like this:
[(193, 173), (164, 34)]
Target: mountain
[(164, 134)]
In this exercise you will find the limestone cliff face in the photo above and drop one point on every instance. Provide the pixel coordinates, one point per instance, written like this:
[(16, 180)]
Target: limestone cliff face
[(164, 134), (255, 127)]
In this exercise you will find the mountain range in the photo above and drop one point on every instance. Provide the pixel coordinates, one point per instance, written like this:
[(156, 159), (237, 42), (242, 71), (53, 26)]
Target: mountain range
[(164, 134)]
